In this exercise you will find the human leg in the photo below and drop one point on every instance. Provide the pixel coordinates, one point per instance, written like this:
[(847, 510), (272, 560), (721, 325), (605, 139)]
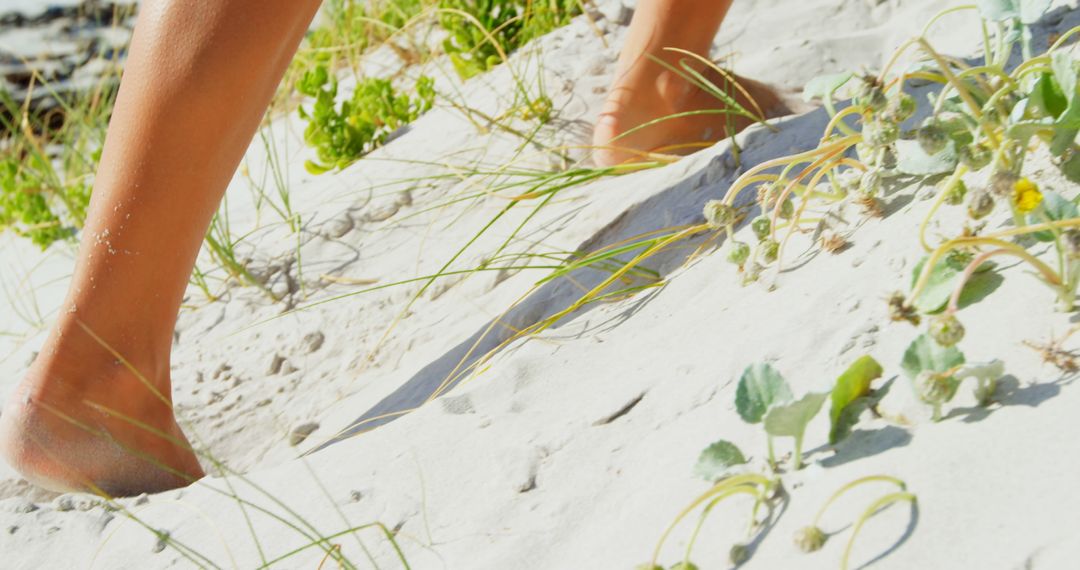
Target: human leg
[(644, 90), (95, 411)]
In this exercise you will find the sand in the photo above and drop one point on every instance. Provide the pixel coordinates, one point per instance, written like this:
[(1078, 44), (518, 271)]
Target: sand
[(575, 448)]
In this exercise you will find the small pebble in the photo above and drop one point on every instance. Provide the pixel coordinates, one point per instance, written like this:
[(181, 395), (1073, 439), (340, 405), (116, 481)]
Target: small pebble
[(275, 365), (301, 432), (162, 541), (339, 226), (314, 341)]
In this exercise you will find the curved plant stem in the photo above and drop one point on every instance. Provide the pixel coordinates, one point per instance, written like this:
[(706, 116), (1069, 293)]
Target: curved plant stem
[(942, 14), (1047, 272), (742, 182), (961, 89), (896, 57), (874, 508), (1064, 37), (852, 485), (738, 490), (749, 480), (954, 299), (956, 176), (837, 123), (798, 213)]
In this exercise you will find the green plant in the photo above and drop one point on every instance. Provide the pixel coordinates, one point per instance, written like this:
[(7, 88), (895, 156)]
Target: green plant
[(343, 133), (811, 538), (762, 396), (483, 32), (936, 371), (47, 164)]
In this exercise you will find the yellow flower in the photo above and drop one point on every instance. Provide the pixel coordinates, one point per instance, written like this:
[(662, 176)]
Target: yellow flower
[(1026, 195)]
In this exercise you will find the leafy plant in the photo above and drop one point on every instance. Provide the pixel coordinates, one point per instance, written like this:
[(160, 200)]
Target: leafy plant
[(811, 538), (48, 161), (342, 133), (850, 395), (483, 32), (936, 371), (763, 396)]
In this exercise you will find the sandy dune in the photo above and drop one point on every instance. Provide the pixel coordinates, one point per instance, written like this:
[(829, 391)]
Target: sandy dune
[(572, 449)]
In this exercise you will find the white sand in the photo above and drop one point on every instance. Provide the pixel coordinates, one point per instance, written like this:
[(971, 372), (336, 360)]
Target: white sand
[(523, 466)]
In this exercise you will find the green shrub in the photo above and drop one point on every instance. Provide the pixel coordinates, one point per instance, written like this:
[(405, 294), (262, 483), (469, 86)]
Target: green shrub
[(510, 23), (342, 133)]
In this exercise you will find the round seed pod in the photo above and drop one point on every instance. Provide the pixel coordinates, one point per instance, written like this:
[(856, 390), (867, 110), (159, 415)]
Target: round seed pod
[(787, 209), (934, 387), (751, 273), (770, 250), (718, 214), (975, 156), (946, 329), (810, 539), (1002, 183), (738, 554), (954, 195), (900, 108), (871, 96), (761, 227), (648, 566), (739, 253), (870, 183), (684, 566), (980, 204), (880, 133), (932, 138)]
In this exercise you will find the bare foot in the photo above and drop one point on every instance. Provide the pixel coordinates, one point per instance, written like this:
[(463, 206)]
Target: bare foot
[(645, 95), (111, 435)]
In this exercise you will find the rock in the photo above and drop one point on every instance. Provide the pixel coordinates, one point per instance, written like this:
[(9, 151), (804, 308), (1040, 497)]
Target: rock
[(382, 212), (301, 432), (339, 226), (162, 541), (221, 370), (313, 341), (617, 13), (275, 365), (64, 503), (23, 506)]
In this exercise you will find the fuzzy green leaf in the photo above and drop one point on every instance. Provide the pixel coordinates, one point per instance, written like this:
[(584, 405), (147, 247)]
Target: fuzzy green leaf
[(824, 86), (1046, 97), (1071, 168), (1052, 208), (912, 159), (1027, 11), (849, 417), (759, 388), (853, 384), (986, 374), (791, 419), (923, 354), (1068, 123), (716, 460), (939, 288)]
